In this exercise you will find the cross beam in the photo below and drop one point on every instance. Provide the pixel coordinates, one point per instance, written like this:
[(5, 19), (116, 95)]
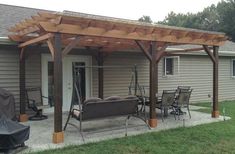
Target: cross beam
[(36, 40)]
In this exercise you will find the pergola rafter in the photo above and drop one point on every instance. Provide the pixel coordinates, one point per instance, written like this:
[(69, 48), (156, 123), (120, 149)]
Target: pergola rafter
[(66, 23), (71, 30)]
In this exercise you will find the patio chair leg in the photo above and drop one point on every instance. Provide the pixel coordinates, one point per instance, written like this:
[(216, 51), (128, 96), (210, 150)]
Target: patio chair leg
[(174, 112), (145, 116), (162, 115), (189, 113), (127, 123), (80, 129), (178, 110), (65, 126)]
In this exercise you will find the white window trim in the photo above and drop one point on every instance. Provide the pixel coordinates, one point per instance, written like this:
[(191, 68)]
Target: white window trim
[(175, 72)]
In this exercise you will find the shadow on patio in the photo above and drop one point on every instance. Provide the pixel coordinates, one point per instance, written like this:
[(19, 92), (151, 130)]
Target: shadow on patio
[(109, 128)]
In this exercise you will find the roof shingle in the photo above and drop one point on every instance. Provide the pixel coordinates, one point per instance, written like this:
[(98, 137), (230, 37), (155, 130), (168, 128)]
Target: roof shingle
[(10, 15)]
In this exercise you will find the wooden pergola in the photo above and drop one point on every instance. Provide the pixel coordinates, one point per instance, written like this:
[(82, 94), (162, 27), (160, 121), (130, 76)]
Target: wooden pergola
[(64, 31)]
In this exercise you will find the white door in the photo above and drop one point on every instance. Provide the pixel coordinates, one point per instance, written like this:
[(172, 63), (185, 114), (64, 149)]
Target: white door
[(68, 63)]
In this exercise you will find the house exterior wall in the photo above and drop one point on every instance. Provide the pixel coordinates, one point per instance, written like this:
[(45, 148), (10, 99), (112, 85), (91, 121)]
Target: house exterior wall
[(189, 70), (9, 70), (192, 70)]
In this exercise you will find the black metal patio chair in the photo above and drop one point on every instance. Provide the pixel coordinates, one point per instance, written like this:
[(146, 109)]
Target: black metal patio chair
[(35, 102), (182, 88), (166, 101), (182, 101)]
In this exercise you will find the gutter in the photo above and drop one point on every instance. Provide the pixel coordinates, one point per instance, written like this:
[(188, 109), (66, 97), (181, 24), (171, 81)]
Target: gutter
[(7, 41), (202, 53)]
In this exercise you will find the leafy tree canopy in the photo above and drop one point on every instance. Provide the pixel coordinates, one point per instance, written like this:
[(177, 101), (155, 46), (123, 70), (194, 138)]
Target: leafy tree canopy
[(145, 19), (220, 17)]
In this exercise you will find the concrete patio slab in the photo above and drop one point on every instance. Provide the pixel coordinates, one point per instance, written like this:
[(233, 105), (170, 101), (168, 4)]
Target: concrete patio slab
[(110, 128)]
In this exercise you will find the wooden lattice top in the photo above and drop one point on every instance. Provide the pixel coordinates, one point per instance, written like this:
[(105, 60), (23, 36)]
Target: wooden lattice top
[(105, 32)]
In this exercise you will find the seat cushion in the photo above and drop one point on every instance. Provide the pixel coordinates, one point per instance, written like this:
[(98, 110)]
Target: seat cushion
[(110, 98), (131, 97), (92, 100), (43, 107)]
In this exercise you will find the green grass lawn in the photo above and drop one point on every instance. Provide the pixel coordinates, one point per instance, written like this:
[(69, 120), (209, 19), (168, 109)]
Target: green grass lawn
[(209, 138)]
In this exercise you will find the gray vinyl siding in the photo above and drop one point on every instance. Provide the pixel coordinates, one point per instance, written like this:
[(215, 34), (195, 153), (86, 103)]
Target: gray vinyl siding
[(117, 79), (226, 81), (9, 71), (194, 71), (33, 70)]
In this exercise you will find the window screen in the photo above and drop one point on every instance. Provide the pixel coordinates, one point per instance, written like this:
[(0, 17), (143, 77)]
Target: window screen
[(169, 66)]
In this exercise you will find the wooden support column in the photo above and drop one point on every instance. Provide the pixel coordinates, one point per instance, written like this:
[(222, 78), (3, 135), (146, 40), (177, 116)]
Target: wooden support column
[(153, 79), (23, 117), (215, 111), (153, 85), (215, 59), (58, 135), (100, 60)]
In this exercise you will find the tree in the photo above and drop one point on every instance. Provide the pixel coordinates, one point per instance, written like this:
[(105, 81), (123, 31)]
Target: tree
[(220, 17), (188, 20), (146, 19), (226, 10), (209, 18)]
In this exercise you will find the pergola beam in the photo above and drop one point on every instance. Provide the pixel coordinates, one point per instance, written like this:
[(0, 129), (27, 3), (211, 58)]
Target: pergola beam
[(36, 40), (210, 54), (159, 55), (28, 30), (122, 34), (144, 50), (50, 44), (161, 52), (70, 46)]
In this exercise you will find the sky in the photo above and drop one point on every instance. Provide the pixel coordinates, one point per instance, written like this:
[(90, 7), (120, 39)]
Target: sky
[(128, 9)]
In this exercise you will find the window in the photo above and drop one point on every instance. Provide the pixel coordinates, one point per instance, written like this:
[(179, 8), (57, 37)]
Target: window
[(233, 67), (169, 66)]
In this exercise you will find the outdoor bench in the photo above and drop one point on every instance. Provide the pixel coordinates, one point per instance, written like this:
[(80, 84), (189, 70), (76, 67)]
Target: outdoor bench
[(111, 107)]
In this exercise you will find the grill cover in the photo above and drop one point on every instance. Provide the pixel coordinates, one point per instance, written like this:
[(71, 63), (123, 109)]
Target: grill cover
[(7, 104), (12, 133)]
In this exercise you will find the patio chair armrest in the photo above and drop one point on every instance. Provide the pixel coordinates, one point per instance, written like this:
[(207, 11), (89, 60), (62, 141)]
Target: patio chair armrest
[(31, 103), (31, 100), (76, 113), (77, 110), (49, 100), (45, 97)]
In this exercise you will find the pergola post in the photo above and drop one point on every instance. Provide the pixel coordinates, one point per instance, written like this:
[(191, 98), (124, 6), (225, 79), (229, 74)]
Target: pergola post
[(215, 111), (23, 117), (153, 85), (100, 60), (151, 54), (215, 59), (58, 135)]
